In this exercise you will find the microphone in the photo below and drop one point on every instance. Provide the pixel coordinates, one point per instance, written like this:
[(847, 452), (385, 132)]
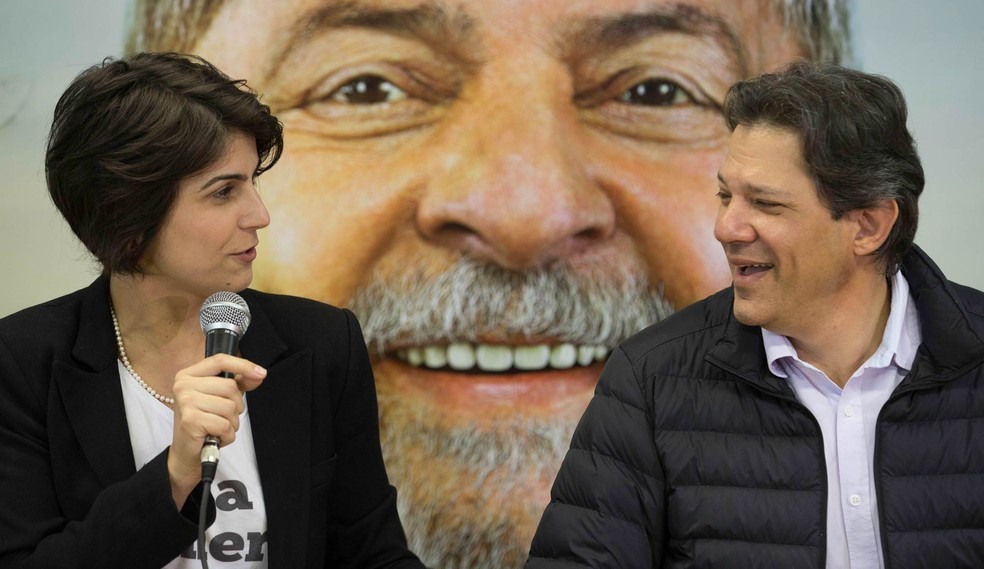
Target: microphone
[(224, 317)]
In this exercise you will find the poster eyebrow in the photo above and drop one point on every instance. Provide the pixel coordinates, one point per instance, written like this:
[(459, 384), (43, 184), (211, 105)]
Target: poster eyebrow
[(584, 37), (432, 22)]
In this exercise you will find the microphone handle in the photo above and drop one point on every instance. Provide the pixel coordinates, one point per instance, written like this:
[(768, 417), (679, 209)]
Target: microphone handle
[(218, 341), (221, 341)]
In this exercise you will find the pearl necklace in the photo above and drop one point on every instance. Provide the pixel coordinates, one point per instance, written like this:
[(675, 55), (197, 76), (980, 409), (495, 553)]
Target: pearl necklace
[(126, 363)]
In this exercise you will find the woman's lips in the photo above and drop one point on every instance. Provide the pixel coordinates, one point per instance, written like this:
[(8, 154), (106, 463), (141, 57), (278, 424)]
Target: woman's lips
[(246, 256)]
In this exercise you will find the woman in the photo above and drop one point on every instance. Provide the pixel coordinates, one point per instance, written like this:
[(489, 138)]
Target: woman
[(105, 394)]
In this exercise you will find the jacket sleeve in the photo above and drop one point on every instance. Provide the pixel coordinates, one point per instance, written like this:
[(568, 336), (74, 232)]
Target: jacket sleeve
[(607, 506), (132, 523), (365, 531)]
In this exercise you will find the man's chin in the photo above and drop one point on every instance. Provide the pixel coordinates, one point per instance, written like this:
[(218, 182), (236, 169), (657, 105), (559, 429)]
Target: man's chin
[(474, 473)]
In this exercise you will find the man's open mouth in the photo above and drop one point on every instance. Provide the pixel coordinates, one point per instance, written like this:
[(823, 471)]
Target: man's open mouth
[(748, 270), (464, 356)]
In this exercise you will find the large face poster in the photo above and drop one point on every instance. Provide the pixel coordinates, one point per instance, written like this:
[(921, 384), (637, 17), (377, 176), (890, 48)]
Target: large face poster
[(502, 191)]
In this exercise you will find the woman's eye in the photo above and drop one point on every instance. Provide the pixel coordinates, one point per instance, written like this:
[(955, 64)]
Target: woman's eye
[(368, 90), (655, 93), (224, 193)]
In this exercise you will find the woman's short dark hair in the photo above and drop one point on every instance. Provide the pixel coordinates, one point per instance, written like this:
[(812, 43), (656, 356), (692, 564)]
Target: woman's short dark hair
[(127, 131), (853, 136)]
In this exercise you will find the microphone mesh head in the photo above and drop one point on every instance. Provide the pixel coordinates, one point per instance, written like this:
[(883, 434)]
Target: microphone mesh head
[(224, 308)]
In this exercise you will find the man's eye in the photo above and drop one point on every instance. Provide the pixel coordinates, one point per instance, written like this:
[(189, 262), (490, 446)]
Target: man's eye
[(655, 93), (368, 90)]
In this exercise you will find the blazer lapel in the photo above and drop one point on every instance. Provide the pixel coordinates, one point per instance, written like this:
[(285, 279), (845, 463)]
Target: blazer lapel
[(90, 389), (280, 414)]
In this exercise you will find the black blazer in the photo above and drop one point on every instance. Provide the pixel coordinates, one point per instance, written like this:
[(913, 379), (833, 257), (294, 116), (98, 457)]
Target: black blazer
[(70, 495)]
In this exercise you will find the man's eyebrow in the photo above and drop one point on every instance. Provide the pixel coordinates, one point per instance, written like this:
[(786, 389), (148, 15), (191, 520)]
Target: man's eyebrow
[(583, 37), (432, 22), (756, 190)]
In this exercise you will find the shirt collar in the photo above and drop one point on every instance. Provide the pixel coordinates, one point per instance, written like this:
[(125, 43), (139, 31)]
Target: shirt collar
[(899, 342)]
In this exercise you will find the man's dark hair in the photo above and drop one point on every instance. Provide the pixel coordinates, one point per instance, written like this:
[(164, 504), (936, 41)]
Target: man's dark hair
[(127, 131), (853, 137)]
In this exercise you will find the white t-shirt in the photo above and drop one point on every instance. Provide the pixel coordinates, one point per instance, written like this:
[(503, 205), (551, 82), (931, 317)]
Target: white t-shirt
[(238, 536)]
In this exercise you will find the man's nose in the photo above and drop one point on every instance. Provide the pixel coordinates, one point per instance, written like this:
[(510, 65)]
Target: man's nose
[(732, 223), (513, 188)]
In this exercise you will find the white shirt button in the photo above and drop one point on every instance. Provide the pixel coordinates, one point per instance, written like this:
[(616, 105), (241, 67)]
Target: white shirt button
[(855, 500), (848, 411)]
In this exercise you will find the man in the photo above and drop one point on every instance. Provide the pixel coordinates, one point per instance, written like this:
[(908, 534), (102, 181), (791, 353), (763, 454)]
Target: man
[(502, 191), (823, 410)]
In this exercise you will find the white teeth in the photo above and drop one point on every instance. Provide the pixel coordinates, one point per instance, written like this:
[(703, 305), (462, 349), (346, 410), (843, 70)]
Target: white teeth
[(435, 357), (585, 355), (494, 358), (531, 357), (563, 356), (461, 356)]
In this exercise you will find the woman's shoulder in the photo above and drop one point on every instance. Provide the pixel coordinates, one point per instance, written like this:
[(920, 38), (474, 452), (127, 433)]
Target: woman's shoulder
[(51, 314), (37, 336), (286, 312), (289, 304)]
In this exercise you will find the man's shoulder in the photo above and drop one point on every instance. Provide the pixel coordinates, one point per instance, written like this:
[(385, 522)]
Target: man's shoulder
[(947, 307), (699, 324), (973, 299)]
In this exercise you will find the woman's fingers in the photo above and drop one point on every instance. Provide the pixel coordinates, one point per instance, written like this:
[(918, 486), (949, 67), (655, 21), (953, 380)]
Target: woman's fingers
[(206, 414), (247, 374), (208, 404)]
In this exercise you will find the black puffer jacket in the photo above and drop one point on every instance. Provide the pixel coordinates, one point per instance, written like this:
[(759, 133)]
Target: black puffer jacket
[(692, 454)]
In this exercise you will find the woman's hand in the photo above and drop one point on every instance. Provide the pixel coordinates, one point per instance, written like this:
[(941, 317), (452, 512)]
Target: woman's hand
[(206, 404)]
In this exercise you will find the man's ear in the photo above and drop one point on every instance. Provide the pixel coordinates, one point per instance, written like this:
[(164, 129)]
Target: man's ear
[(873, 225)]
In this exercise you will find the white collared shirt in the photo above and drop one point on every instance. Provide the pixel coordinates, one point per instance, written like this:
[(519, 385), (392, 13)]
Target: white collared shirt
[(847, 423)]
